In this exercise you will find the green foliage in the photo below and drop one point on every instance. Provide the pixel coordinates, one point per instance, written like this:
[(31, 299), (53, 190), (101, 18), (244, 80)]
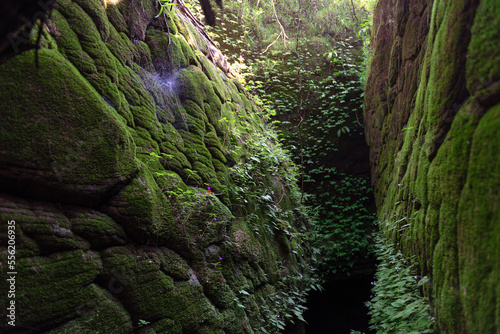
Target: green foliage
[(276, 204), (168, 4), (185, 201), (143, 323), (343, 230), (287, 305), (320, 20), (364, 33), (315, 82), (397, 305), (269, 206), (342, 200), (160, 204), (309, 84)]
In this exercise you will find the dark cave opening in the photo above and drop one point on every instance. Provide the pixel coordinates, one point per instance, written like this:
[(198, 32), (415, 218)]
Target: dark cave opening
[(340, 307)]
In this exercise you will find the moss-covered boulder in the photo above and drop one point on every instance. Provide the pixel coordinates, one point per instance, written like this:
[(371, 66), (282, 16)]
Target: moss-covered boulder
[(140, 182)]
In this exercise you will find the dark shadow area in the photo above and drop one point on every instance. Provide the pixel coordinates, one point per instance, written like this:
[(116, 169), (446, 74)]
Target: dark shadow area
[(340, 307)]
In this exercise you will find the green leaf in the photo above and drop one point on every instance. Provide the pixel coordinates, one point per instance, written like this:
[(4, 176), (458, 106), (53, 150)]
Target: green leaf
[(422, 281), (161, 11)]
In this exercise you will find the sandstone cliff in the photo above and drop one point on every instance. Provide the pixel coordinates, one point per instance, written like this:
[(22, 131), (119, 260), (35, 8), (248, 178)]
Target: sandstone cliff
[(147, 192), (432, 115)]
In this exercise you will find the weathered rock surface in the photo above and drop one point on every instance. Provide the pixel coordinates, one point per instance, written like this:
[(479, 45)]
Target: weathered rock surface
[(146, 192), (432, 115)]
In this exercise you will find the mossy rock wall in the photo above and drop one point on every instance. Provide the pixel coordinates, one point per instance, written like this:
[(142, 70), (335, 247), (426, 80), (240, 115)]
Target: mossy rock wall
[(148, 193), (432, 115)]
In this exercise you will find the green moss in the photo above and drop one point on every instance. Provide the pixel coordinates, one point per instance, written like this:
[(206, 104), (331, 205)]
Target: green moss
[(191, 177), (173, 265), (253, 311), (195, 85), (195, 118), (163, 326), (95, 9), (174, 137), (116, 18), (479, 228), (59, 284), (219, 293), (233, 93), (213, 109), (90, 56), (52, 232), (483, 56), (121, 47), (216, 77), (210, 330), (136, 280), (143, 210), (439, 174), (105, 317), (446, 68), (194, 39), (217, 154), (100, 230), (201, 218), (166, 62), (189, 307), (233, 320), (144, 143), (86, 123), (175, 161), (26, 246), (195, 149), (141, 103), (207, 173), (446, 178), (187, 51), (174, 22), (88, 147), (69, 44), (143, 56)]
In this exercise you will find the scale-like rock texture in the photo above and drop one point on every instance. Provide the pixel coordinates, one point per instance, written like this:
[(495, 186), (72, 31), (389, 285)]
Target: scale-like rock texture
[(432, 115), (147, 193)]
